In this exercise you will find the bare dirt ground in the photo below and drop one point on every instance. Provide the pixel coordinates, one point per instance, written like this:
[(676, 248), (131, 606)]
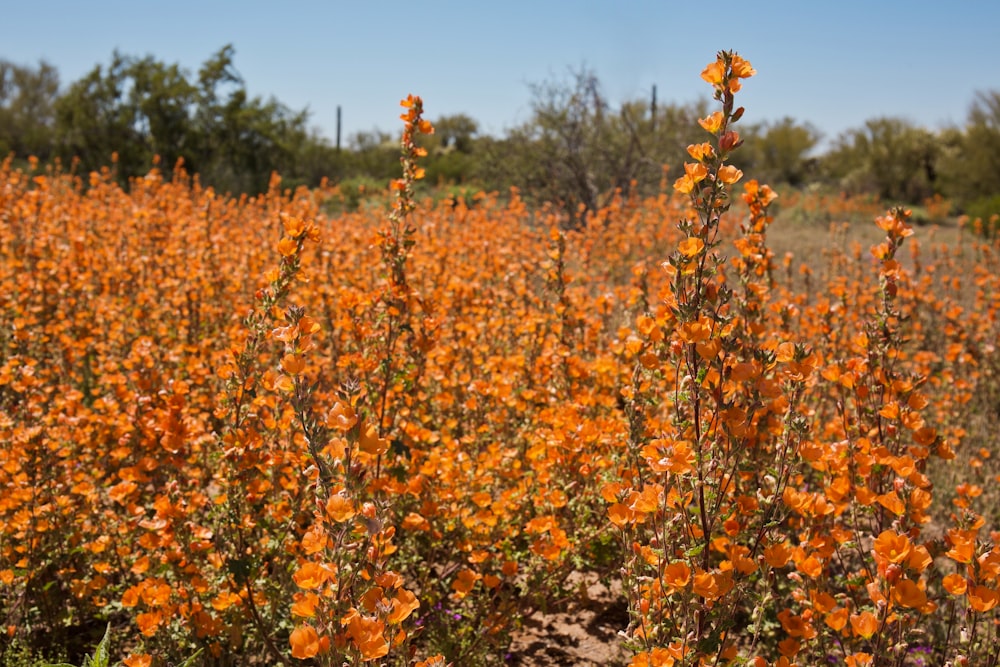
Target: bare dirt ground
[(583, 632)]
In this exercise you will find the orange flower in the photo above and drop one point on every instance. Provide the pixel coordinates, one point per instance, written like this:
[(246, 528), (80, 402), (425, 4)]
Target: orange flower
[(684, 185), (696, 171), (837, 619), (148, 622), (859, 660), (287, 246), (370, 443), (920, 559), (955, 584), (729, 140), (464, 581), (701, 152), (433, 661), (864, 624), (741, 67), (892, 547), (908, 594), (789, 647), (224, 600), (676, 575), (795, 625), (141, 660), (763, 193), (705, 585), (730, 174), (340, 508), (295, 226), (777, 555), (293, 364), (811, 567), (404, 603), (620, 515), (712, 123), (822, 602), (341, 417), (367, 634), (312, 575), (305, 642), (691, 246), (305, 605), (881, 251), (657, 657), (891, 502), (963, 545), (714, 73), (983, 598)]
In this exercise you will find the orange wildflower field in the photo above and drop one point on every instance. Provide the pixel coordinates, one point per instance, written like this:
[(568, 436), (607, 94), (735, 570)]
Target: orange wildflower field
[(238, 431)]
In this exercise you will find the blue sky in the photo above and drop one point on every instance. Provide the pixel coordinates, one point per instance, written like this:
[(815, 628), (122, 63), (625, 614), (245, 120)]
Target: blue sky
[(834, 64)]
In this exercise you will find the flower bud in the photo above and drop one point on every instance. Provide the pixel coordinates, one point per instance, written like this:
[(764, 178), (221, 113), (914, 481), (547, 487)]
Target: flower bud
[(729, 141)]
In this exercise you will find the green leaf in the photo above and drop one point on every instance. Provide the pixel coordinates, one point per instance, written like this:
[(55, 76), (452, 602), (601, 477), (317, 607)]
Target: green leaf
[(190, 661), (102, 657)]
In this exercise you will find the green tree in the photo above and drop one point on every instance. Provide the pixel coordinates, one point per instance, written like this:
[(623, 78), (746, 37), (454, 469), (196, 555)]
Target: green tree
[(889, 157), (140, 108), (779, 152), (92, 120), (454, 133), (970, 164), (27, 109), (452, 149), (244, 138), (374, 155), (162, 102)]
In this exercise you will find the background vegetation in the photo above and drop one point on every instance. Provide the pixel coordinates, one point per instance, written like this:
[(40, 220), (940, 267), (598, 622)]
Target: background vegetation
[(576, 149)]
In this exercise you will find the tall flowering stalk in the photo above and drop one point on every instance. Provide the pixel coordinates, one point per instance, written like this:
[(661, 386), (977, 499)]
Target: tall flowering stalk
[(860, 507), (399, 302), (247, 461), (352, 605), (714, 451)]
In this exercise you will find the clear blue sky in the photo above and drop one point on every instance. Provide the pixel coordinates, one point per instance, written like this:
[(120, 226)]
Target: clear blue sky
[(834, 63)]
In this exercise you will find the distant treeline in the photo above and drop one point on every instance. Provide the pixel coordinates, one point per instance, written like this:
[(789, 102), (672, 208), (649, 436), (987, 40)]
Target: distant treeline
[(577, 150)]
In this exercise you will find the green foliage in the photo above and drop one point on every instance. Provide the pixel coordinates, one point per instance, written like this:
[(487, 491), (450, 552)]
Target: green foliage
[(453, 134), (970, 164), (141, 108), (577, 150), (779, 152), (27, 109), (102, 655), (19, 654), (987, 210), (889, 157), (353, 192), (135, 108)]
